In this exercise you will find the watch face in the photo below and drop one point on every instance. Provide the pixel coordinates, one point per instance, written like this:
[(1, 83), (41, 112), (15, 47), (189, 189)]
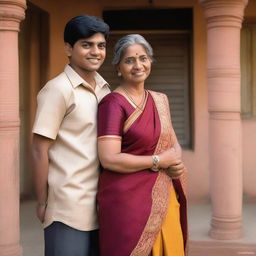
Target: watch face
[(156, 161)]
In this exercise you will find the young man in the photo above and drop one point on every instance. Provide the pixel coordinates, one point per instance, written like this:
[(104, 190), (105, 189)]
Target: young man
[(64, 143)]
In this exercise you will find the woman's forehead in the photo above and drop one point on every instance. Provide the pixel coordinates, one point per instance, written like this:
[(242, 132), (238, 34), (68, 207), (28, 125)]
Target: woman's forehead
[(135, 50)]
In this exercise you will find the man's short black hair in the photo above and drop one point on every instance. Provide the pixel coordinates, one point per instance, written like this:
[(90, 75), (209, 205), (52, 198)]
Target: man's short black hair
[(84, 26)]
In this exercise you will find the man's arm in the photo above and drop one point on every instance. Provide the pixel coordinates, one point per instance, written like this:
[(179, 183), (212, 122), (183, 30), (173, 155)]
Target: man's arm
[(40, 163)]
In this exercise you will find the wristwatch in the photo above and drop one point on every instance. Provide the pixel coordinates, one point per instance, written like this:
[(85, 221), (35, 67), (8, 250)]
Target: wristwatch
[(156, 160)]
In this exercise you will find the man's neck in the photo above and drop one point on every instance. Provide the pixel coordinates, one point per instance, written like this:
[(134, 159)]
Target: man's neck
[(88, 76)]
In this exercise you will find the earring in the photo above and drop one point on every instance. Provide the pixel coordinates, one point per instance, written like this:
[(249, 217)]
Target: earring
[(119, 73)]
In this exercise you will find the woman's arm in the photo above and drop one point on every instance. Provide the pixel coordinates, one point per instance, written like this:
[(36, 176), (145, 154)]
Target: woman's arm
[(111, 158)]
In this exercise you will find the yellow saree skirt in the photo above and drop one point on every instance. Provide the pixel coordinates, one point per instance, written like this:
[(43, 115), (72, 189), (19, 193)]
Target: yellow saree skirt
[(169, 241)]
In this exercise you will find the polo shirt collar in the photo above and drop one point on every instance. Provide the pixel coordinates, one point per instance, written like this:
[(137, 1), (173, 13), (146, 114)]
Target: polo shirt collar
[(100, 81), (77, 80)]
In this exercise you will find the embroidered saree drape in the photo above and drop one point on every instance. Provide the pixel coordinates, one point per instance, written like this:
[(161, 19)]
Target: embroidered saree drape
[(132, 207)]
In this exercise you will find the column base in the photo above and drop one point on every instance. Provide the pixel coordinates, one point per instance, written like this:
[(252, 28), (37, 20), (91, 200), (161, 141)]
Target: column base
[(226, 228)]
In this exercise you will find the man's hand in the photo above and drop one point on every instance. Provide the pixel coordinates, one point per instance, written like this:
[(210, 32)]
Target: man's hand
[(40, 211)]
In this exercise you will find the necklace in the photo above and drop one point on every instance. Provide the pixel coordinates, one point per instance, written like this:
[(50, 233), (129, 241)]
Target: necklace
[(132, 100)]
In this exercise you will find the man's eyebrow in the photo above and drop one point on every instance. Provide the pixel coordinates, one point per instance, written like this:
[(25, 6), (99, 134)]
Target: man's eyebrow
[(92, 42), (86, 41)]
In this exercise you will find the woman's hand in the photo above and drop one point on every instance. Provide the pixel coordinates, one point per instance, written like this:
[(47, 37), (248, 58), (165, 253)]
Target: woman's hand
[(169, 158), (175, 171)]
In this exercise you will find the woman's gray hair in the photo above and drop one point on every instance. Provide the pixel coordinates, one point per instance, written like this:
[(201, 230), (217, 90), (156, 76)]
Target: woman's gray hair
[(129, 40)]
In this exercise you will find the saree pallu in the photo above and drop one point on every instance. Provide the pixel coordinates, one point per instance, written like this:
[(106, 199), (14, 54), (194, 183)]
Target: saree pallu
[(133, 206)]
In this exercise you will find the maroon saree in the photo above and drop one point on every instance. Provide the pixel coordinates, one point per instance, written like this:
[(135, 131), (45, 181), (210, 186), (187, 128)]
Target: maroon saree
[(132, 206)]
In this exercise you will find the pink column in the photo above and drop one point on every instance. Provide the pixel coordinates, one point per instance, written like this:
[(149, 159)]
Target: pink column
[(224, 18), (11, 13)]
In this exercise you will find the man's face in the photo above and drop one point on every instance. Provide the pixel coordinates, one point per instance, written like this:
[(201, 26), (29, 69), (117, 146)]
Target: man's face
[(88, 54)]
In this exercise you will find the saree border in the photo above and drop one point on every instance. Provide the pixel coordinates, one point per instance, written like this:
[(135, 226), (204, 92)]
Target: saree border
[(182, 180), (161, 188), (183, 177), (135, 115), (114, 137)]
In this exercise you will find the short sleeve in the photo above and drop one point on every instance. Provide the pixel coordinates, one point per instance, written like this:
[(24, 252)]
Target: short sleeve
[(51, 109), (111, 117)]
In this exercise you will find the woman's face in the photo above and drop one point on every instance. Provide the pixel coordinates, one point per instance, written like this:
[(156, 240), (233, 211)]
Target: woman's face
[(135, 65)]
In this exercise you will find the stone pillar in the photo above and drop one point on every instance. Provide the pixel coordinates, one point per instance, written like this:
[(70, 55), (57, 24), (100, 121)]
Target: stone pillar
[(224, 19), (11, 14)]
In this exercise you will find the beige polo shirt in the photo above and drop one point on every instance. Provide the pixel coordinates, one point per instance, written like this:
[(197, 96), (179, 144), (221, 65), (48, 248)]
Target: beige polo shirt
[(67, 113)]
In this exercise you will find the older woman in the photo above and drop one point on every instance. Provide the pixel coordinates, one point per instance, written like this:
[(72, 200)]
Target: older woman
[(142, 205)]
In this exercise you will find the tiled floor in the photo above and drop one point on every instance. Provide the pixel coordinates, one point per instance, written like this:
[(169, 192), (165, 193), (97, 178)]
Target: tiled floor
[(200, 243), (213, 248), (31, 230)]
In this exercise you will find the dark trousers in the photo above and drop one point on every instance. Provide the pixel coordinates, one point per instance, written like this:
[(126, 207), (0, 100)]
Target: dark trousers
[(62, 240)]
